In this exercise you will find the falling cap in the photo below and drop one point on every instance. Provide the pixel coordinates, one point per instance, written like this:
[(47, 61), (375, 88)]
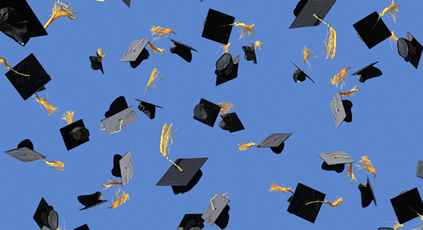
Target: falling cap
[(250, 53), (368, 72), (301, 197), (122, 167), (136, 53), (91, 200), (83, 227), (367, 194), (306, 8), (46, 216), (335, 160), (182, 50), (74, 134), (299, 75), (231, 122), (191, 222), (127, 2), (419, 172), (118, 116), (206, 112), (218, 212), (410, 49), (226, 68), (275, 141), (407, 205), (25, 152), (96, 63), (217, 26), (372, 30), (148, 109), (341, 109)]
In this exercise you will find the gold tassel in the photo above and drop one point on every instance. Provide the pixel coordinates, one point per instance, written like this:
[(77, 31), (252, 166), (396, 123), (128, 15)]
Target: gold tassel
[(68, 117), (166, 140), (100, 53), (393, 37), (307, 55), (60, 10), (275, 187), (2, 60), (161, 31), (111, 182), (50, 109), (334, 204), (341, 76), (350, 93), (57, 164), (397, 225), (350, 172), (246, 30), (119, 200), (392, 10), (225, 48), (258, 44), (154, 76), (224, 108), (368, 166), (330, 40), (154, 49), (244, 146)]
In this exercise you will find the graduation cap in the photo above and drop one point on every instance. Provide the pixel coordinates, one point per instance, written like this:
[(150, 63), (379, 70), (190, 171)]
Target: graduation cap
[(226, 68), (218, 211), (275, 141), (136, 53), (18, 21), (407, 205), (372, 30), (75, 133), (368, 72), (185, 180), (25, 152), (299, 75), (127, 2), (83, 227), (299, 202), (250, 53), (231, 122), (45, 216), (118, 116), (218, 26), (148, 109), (122, 167), (306, 8), (91, 200), (96, 61), (28, 77), (191, 222), (206, 112), (419, 172), (410, 49), (367, 194), (335, 161), (182, 50), (341, 109)]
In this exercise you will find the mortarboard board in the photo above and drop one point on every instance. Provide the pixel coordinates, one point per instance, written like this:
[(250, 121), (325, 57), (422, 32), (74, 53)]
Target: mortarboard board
[(136, 53), (299, 75), (385, 228), (148, 109), (75, 134), (25, 152), (341, 109), (127, 2), (410, 49), (91, 200), (407, 205), (26, 86), (419, 172), (191, 222), (45, 216), (83, 227), (231, 123), (217, 26), (218, 211), (301, 197), (96, 62), (367, 194), (372, 30), (226, 68), (182, 50), (335, 160), (184, 181), (122, 167), (118, 116), (18, 21), (306, 8), (206, 112), (275, 141), (368, 72), (250, 53)]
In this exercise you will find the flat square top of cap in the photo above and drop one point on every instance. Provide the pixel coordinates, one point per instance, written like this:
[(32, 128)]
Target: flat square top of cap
[(234, 74), (372, 30), (43, 205), (404, 204), (25, 154), (305, 18), (83, 227), (182, 44), (419, 172), (126, 169), (219, 203), (134, 50), (174, 177), (113, 123), (207, 116), (274, 140), (335, 158), (216, 26), (232, 122), (303, 195), (364, 69), (338, 110), (127, 2)]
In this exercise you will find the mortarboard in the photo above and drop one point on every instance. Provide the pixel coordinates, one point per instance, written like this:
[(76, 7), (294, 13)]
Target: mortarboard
[(25, 152), (182, 50), (218, 211), (96, 61), (231, 123), (91, 200), (372, 30), (74, 134), (122, 167), (367, 194), (299, 202), (226, 68), (83, 227), (136, 53), (250, 53), (306, 8), (184, 181), (206, 112), (118, 116), (127, 2), (46, 216), (410, 49), (28, 85), (407, 205), (335, 160), (217, 26), (275, 141), (18, 21), (341, 109), (148, 109), (368, 72), (191, 222), (299, 75), (419, 172)]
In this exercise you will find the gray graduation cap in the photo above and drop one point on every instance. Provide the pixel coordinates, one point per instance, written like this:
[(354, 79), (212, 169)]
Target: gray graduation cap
[(367, 194), (407, 204), (216, 26), (367, 72), (419, 172), (410, 49), (118, 116), (123, 168), (275, 141), (218, 212), (25, 152), (372, 30), (341, 109), (136, 52), (299, 75), (335, 160), (306, 8)]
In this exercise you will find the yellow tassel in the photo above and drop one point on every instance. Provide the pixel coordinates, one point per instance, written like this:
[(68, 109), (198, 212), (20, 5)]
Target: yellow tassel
[(111, 182), (334, 204), (2, 60), (154, 76), (119, 200), (160, 31), (275, 187), (397, 225), (392, 10), (367, 165), (341, 76), (60, 10), (244, 146), (246, 30), (154, 49), (350, 172), (330, 40), (57, 164), (166, 140), (225, 47), (393, 37), (224, 108), (258, 44), (100, 53), (68, 117), (307, 55), (50, 109), (350, 93)]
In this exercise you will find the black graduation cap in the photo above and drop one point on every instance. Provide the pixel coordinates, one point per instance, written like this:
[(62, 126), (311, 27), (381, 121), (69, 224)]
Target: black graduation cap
[(184, 181), (335, 160), (28, 85), (122, 167), (91, 200), (226, 68), (83, 227), (18, 21), (118, 116), (46, 216), (341, 109), (75, 134), (231, 123), (191, 222), (217, 26), (127, 2), (275, 141), (206, 112), (25, 152), (368, 72), (419, 172), (407, 204), (148, 109), (410, 49), (385, 228), (182, 50), (372, 30), (219, 212), (299, 75), (250, 53), (306, 8), (302, 195), (367, 194), (136, 53), (96, 62)]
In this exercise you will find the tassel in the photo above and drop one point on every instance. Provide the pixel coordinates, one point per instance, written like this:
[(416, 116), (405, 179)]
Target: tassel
[(100, 53), (225, 107), (368, 167), (392, 10), (397, 225), (341, 76), (275, 187), (161, 31), (2, 60), (258, 45), (334, 204), (60, 10), (246, 30), (111, 182), (154, 49), (68, 117), (330, 40), (57, 164), (50, 109), (350, 93), (307, 55), (225, 48), (244, 146), (351, 173), (165, 139), (393, 37), (119, 200), (154, 76)]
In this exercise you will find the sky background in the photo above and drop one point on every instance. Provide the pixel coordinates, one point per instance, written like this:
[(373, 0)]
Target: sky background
[(386, 124)]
